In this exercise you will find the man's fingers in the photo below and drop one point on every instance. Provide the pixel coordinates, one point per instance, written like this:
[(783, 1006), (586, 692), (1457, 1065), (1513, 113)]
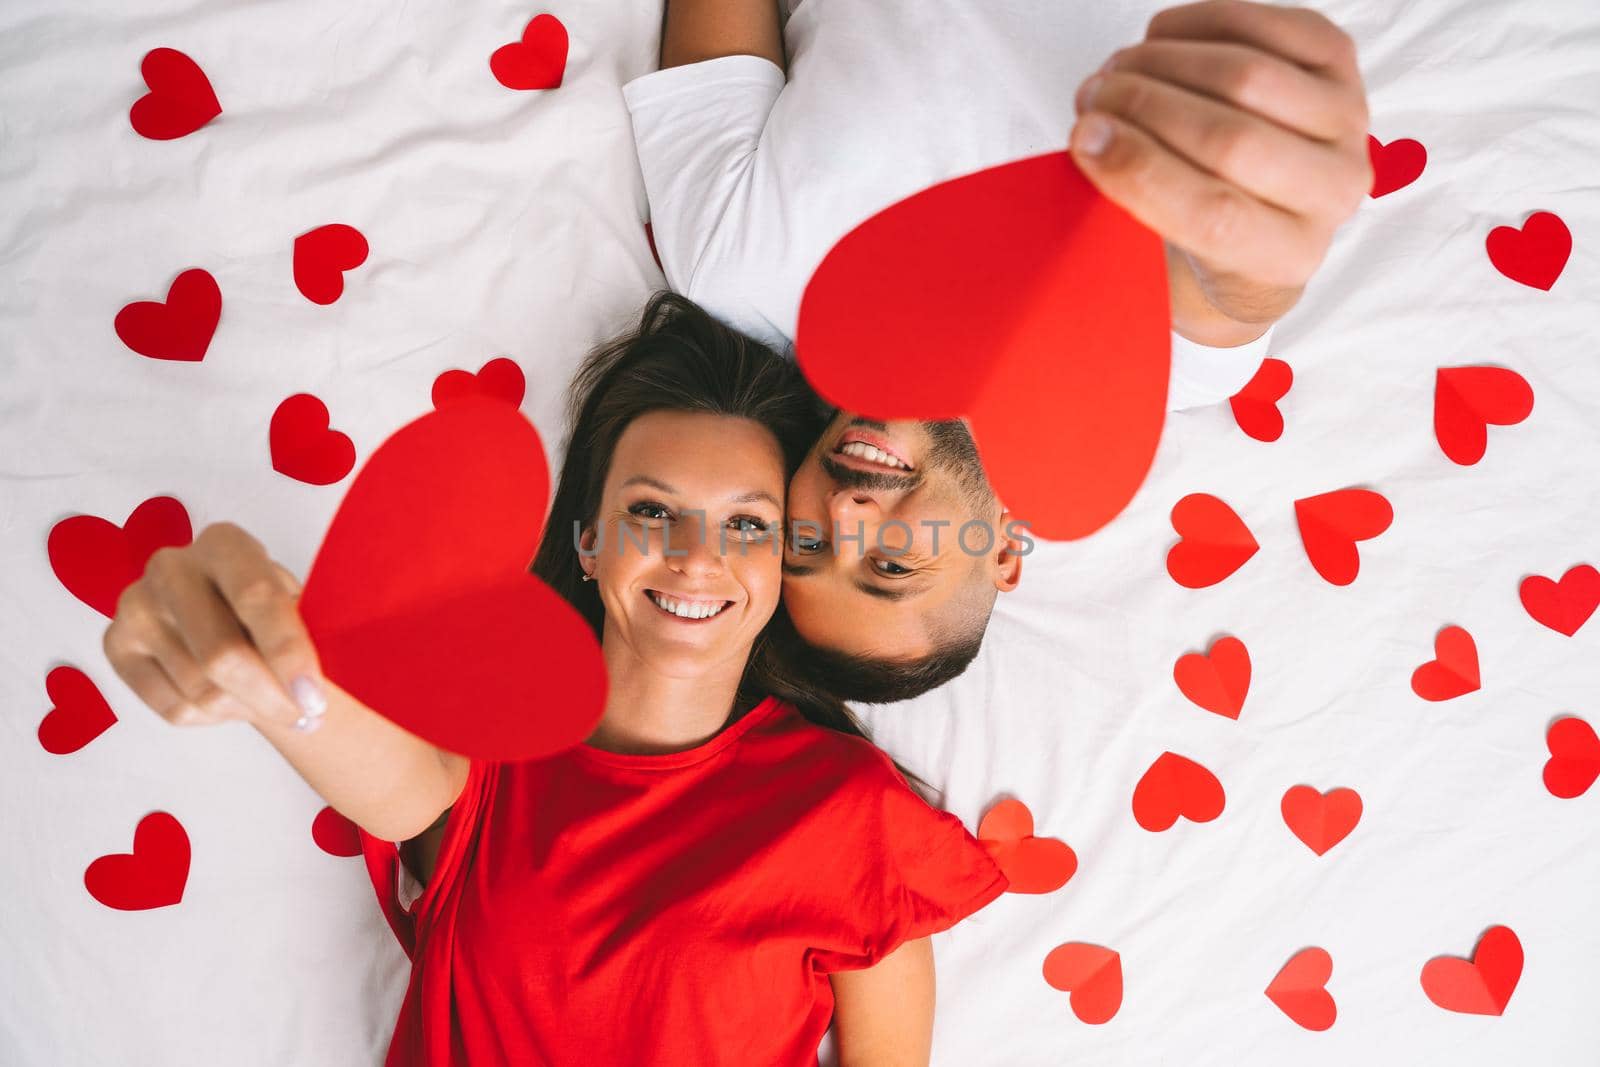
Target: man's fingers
[(1298, 34)]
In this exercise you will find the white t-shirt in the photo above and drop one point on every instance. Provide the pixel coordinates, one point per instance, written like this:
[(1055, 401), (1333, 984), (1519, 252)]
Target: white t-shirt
[(751, 180)]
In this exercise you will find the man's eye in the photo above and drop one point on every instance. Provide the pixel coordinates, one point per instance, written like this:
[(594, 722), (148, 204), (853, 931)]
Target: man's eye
[(807, 545), (649, 509), (889, 569)]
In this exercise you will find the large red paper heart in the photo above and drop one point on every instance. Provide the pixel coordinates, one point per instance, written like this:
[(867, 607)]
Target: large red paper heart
[(1394, 165), (180, 100), (420, 602), (96, 560), (1453, 671), (179, 328), (1300, 989), (1482, 985), (1032, 864), (1467, 399), (1574, 762), (1092, 974), (151, 876), (1321, 820), (500, 379), (1255, 407), (1218, 680), (304, 447), (335, 834), (80, 714), (537, 61), (1175, 786), (322, 255), (1332, 523), (1022, 299), (1566, 605), (1213, 542), (1533, 255)]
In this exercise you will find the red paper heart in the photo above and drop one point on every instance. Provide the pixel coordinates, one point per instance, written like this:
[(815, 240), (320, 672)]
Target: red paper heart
[(1332, 523), (179, 328), (1321, 820), (537, 61), (1534, 255), (96, 560), (500, 379), (1482, 985), (981, 297), (180, 100), (1175, 786), (302, 445), (80, 714), (650, 239), (151, 876), (322, 255), (1032, 864), (1574, 762), (1566, 605), (1467, 399), (1092, 974), (420, 602), (1300, 989), (1453, 671), (1394, 165), (335, 834), (1255, 407), (1213, 542), (1217, 681)]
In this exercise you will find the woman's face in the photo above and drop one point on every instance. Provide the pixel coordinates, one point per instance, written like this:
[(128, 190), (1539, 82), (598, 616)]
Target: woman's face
[(687, 543)]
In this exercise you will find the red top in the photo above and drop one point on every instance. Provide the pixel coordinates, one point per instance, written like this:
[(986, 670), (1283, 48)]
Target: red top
[(598, 908)]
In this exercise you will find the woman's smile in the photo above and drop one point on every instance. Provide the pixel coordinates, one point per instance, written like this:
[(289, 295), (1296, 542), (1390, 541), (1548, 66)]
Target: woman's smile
[(687, 609)]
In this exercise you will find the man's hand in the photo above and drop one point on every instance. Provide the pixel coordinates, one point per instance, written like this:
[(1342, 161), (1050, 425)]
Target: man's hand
[(1237, 131)]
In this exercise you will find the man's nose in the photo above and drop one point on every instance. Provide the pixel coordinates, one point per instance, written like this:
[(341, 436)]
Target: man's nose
[(855, 515)]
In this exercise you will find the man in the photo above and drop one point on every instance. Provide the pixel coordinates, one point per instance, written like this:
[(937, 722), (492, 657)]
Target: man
[(1235, 130)]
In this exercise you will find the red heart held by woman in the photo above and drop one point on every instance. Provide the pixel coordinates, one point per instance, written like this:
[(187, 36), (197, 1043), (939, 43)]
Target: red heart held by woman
[(1332, 523), (322, 255), (1255, 407), (420, 602), (80, 714), (1321, 820), (303, 446), (1574, 762), (499, 379), (1032, 864), (1482, 985), (151, 876), (1213, 541), (335, 834), (1467, 399), (96, 560), (1566, 605), (1175, 786), (1022, 299), (1092, 974), (1394, 165), (180, 100), (1453, 671), (537, 61), (1300, 989), (179, 328), (1533, 255), (1218, 680)]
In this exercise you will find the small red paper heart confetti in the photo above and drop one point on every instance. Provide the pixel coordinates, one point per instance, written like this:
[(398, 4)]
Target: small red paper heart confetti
[(180, 100), (151, 876), (1574, 762), (179, 328), (1533, 255), (322, 255), (1213, 542), (1467, 399), (1453, 671), (1255, 407), (1321, 820), (1092, 974), (1332, 523), (335, 834), (1217, 681), (1033, 864), (1482, 985), (302, 445), (1300, 989), (650, 239), (96, 560), (1175, 786), (1394, 165), (537, 61), (80, 714), (1566, 605), (500, 379)]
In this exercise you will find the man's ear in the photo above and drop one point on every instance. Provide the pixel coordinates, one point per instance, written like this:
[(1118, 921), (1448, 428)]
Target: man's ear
[(1011, 544)]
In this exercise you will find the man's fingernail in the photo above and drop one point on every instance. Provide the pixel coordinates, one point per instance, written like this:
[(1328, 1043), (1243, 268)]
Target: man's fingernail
[(308, 695), (1094, 134)]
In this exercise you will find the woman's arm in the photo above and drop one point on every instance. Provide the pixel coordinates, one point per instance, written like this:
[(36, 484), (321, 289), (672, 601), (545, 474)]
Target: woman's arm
[(695, 30), (883, 1015)]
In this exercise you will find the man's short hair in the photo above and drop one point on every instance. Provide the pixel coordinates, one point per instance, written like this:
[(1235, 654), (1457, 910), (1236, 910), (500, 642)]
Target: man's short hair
[(870, 680)]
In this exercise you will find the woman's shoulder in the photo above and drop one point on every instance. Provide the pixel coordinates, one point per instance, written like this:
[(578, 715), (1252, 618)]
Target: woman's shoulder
[(854, 760)]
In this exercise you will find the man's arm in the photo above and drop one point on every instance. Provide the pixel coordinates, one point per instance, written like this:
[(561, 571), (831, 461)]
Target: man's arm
[(695, 30)]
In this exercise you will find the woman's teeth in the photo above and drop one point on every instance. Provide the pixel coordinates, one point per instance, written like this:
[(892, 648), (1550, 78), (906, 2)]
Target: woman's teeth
[(688, 609), (872, 454)]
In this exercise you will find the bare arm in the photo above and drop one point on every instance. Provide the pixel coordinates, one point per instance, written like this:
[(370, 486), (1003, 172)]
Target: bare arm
[(883, 1015), (696, 30)]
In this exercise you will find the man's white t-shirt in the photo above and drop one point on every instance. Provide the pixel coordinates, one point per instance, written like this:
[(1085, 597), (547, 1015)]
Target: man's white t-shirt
[(752, 179)]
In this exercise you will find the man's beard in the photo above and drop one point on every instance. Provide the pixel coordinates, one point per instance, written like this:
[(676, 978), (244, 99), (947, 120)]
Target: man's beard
[(952, 448)]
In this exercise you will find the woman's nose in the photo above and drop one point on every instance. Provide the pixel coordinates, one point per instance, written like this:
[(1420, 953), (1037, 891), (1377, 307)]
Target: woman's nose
[(691, 550)]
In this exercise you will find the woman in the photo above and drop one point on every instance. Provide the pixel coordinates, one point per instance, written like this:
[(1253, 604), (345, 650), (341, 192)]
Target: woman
[(725, 865)]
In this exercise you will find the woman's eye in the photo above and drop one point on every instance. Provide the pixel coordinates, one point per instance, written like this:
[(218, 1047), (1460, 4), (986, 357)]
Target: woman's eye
[(748, 527), (649, 509), (889, 569)]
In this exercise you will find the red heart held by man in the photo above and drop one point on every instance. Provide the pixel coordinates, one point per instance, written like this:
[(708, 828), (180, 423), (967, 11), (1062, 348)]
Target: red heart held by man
[(1394, 165), (335, 834), (1453, 671), (1213, 541), (537, 61), (1566, 605), (1535, 254), (302, 445), (1174, 786), (1482, 985), (153, 875), (1574, 762), (179, 328), (1218, 680), (500, 379), (1466, 400), (96, 560), (322, 255), (420, 602), (79, 715), (1300, 989), (1321, 820), (180, 100), (1255, 407), (1023, 300), (1331, 524), (1032, 864), (1092, 974)]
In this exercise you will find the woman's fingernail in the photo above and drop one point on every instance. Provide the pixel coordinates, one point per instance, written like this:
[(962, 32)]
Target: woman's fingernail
[(1094, 134), (309, 696), (307, 723)]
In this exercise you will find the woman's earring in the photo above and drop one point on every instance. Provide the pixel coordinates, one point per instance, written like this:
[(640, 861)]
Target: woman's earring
[(588, 577)]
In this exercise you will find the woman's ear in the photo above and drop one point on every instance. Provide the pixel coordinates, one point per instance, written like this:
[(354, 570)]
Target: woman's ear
[(1012, 543), (588, 550)]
